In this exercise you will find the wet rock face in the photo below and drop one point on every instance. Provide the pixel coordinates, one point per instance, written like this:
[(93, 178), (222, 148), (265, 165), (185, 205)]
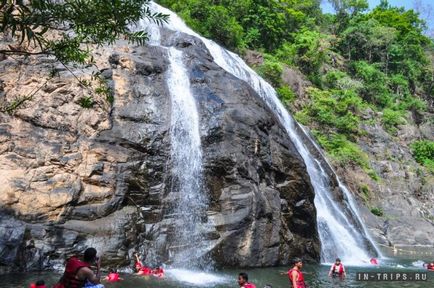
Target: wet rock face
[(72, 177)]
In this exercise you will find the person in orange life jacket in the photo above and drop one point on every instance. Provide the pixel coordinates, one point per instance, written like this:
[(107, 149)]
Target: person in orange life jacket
[(38, 284), (113, 276), (295, 275), (78, 272), (140, 269), (337, 269), (243, 279)]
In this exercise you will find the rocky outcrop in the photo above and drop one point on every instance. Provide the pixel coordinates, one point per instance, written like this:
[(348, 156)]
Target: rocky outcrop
[(73, 177), (404, 190)]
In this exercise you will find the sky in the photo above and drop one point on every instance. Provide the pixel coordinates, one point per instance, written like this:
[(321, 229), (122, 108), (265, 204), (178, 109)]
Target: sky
[(427, 15)]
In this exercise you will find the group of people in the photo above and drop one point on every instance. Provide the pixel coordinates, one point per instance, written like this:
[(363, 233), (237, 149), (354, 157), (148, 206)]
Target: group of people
[(296, 277), (78, 273)]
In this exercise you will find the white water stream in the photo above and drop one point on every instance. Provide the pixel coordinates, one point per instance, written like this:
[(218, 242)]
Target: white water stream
[(187, 197)]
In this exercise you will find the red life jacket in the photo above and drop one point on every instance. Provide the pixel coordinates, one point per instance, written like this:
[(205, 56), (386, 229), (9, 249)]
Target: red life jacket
[(158, 272), (145, 271), (341, 269), (113, 277), (300, 281), (69, 279), (430, 267), (249, 285), (374, 261)]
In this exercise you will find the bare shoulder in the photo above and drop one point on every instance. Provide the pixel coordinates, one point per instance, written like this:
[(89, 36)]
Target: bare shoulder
[(84, 272)]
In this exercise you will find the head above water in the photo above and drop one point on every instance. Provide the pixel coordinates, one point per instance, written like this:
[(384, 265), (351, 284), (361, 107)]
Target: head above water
[(338, 260), (90, 255), (297, 262), (243, 278)]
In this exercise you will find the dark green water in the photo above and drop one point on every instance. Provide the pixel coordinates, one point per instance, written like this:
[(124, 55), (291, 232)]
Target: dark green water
[(316, 276)]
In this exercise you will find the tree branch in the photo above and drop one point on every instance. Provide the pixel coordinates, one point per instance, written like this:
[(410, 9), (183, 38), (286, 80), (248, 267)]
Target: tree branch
[(22, 52)]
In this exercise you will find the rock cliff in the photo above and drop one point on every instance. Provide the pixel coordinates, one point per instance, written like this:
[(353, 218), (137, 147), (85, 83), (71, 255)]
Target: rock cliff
[(73, 177)]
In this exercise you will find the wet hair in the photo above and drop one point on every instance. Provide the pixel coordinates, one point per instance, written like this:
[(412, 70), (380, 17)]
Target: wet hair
[(244, 276), (268, 286), (89, 254), (40, 283), (338, 259), (112, 270), (296, 260)]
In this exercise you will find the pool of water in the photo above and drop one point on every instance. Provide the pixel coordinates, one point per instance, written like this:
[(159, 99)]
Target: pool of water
[(315, 275)]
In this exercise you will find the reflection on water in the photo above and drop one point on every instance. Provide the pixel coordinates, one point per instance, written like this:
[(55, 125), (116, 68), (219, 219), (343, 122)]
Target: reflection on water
[(316, 276)]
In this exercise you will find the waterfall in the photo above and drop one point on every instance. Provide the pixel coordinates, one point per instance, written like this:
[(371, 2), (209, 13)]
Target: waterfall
[(341, 232), (188, 200)]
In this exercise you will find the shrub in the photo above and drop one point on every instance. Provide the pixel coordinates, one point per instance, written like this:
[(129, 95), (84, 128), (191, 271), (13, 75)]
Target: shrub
[(343, 151), (271, 70), (391, 119), (286, 95), (86, 102), (377, 211), (365, 192), (423, 152)]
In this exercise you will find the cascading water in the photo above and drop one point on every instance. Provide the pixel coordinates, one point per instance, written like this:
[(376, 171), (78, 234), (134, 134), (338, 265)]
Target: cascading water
[(341, 232), (187, 197)]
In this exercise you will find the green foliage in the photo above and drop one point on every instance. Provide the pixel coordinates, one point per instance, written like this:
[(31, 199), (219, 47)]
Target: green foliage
[(86, 102), (335, 110), (365, 192), (309, 51), (90, 21), (391, 119), (271, 70), (343, 151), (286, 95), (423, 152), (377, 211), (239, 24)]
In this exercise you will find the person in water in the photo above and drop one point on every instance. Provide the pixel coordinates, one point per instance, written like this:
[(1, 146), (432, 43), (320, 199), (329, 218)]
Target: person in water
[(79, 273), (140, 268), (429, 266), (38, 284), (113, 276), (158, 272), (243, 281), (295, 275), (337, 269), (373, 261)]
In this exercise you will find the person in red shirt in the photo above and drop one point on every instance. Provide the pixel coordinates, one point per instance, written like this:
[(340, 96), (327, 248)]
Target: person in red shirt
[(140, 268), (113, 276), (337, 269), (295, 275), (243, 279)]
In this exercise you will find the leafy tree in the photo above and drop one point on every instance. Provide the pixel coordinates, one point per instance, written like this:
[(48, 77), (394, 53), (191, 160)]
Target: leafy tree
[(251, 23), (65, 29), (72, 23)]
